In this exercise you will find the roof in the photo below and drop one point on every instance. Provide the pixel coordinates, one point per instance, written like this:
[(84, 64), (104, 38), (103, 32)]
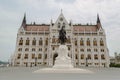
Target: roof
[(37, 28), (83, 28)]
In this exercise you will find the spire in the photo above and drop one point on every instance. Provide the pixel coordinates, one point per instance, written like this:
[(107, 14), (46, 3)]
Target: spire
[(24, 20), (98, 19)]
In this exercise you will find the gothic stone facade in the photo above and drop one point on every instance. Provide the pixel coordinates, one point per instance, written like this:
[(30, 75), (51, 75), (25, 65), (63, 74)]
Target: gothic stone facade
[(37, 44)]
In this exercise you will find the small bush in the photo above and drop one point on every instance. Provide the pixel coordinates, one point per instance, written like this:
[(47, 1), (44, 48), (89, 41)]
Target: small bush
[(114, 65)]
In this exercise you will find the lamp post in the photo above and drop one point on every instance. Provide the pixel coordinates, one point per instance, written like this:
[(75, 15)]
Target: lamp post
[(35, 61), (86, 62)]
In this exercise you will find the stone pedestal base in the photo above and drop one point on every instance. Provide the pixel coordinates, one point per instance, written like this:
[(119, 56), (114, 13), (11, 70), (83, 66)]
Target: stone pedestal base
[(63, 60)]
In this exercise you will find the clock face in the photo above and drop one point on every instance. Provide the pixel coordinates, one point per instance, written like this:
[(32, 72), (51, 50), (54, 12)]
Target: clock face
[(61, 19)]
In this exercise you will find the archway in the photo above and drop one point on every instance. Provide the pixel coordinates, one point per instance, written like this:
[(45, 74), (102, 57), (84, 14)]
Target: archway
[(54, 57)]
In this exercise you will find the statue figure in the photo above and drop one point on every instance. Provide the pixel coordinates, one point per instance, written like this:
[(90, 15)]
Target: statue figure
[(62, 36)]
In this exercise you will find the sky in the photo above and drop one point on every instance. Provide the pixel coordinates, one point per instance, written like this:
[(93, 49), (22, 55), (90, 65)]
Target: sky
[(42, 11)]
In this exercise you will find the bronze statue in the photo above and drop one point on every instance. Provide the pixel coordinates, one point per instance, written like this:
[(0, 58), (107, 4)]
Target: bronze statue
[(62, 36)]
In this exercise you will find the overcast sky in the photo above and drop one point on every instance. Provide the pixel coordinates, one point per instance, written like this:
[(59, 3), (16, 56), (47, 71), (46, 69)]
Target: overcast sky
[(42, 11)]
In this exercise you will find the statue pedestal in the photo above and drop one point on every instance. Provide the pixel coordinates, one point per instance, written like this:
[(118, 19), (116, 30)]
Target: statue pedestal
[(63, 60), (62, 64)]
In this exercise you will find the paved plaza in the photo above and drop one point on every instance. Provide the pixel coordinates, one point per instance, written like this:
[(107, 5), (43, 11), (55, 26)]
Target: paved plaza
[(27, 73)]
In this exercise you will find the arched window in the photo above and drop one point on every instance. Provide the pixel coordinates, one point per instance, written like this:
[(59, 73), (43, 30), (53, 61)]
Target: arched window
[(34, 42), (19, 56), (68, 40), (26, 56), (46, 41), (102, 56), (88, 50), (102, 50), (95, 50), (20, 49), (95, 56), (58, 25), (75, 42), (69, 48), (27, 41), (26, 49), (40, 49), (76, 56), (88, 42), (39, 56), (63, 25), (33, 49), (21, 41), (45, 49), (81, 42), (101, 43), (89, 56), (40, 41), (53, 48), (76, 49), (53, 39), (45, 56), (82, 50), (33, 56), (82, 56), (94, 42)]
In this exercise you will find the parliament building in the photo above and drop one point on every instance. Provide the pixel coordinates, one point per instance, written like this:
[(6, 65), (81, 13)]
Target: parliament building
[(37, 44)]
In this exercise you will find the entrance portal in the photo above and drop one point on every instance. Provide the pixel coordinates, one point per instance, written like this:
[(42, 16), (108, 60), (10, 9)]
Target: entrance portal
[(54, 57)]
